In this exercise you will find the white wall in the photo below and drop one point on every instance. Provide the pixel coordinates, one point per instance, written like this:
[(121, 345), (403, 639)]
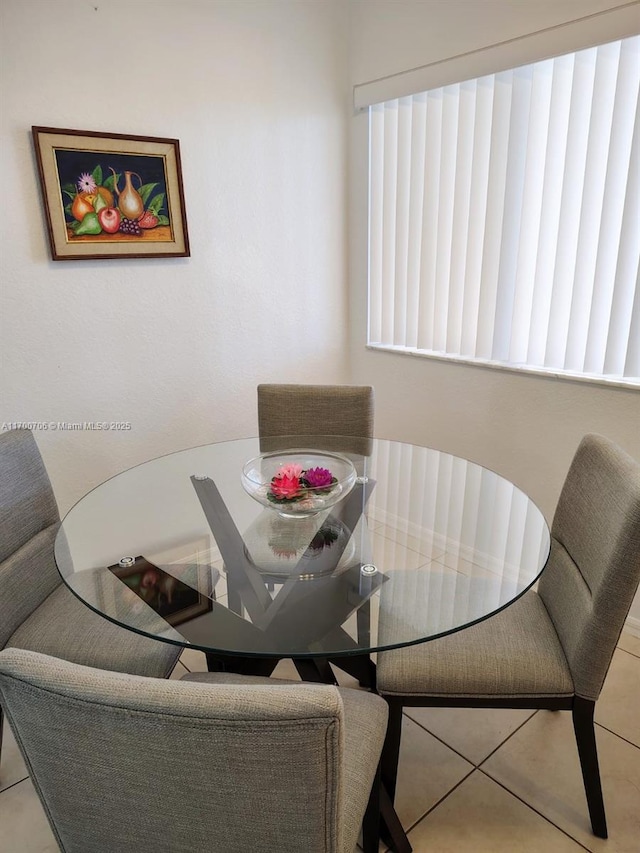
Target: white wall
[(523, 426), (255, 91)]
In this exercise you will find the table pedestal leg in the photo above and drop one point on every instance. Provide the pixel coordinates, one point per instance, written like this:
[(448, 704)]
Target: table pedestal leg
[(315, 669), (395, 835), (241, 666)]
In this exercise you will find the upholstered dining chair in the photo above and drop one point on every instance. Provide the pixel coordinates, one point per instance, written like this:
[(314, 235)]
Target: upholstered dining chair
[(37, 611), (333, 417), (552, 648), (326, 410), (141, 765)]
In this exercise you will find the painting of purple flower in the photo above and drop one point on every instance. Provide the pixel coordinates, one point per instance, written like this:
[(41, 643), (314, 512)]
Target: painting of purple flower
[(86, 183)]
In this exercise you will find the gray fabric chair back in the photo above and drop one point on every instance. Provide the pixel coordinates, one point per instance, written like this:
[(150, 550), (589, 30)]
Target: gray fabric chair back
[(140, 765), (28, 525), (593, 571), (313, 410), (27, 504)]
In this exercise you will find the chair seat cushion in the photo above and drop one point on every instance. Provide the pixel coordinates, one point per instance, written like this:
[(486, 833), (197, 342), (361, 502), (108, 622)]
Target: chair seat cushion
[(65, 628), (514, 654)]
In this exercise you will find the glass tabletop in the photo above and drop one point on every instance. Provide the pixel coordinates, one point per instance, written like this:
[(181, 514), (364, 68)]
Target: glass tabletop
[(418, 543)]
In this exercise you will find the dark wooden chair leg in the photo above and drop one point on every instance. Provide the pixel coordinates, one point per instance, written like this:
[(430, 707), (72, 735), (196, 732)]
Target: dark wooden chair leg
[(586, 740), (391, 748), (371, 822), (392, 832)]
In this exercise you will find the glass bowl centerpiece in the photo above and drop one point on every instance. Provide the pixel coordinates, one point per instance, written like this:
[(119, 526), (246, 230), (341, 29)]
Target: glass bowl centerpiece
[(298, 483)]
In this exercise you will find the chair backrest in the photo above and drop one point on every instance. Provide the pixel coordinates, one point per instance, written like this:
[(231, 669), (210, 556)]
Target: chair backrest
[(331, 410), (593, 571), (140, 765), (28, 523)]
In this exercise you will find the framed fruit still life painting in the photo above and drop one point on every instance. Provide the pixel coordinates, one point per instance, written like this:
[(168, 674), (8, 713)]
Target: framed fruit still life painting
[(110, 195)]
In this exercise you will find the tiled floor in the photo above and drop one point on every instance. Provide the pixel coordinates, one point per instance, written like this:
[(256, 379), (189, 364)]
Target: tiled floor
[(470, 781)]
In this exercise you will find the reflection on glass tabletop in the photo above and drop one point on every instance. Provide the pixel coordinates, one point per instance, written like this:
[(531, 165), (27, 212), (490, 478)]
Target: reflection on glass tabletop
[(421, 544)]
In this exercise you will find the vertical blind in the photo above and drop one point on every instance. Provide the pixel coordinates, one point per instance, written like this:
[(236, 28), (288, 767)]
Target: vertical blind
[(504, 217)]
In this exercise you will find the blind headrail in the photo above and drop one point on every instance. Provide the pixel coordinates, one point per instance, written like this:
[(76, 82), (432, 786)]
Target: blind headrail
[(599, 28)]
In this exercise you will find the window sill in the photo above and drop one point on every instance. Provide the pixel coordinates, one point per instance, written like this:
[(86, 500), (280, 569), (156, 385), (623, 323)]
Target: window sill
[(629, 383)]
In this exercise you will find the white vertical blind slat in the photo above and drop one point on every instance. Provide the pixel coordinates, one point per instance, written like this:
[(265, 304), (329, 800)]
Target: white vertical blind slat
[(389, 218), (448, 155), (533, 193), (376, 232), (430, 219), (593, 192), (477, 214), (403, 196), (632, 361), (416, 208), (512, 218), (494, 214), (461, 214)]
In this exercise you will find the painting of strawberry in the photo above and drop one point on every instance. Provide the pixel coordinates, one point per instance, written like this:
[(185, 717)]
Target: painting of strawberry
[(148, 220)]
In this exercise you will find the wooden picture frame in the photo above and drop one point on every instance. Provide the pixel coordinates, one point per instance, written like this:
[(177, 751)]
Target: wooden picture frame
[(110, 195)]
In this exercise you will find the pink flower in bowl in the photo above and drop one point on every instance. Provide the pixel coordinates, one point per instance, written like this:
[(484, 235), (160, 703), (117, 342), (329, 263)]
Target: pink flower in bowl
[(284, 487), (318, 478)]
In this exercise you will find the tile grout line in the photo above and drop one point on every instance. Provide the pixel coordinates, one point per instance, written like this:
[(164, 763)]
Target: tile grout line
[(627, 652), (615, 734), (508, 737), (444, 743), (13, 784), (529, 806), (441, 800)]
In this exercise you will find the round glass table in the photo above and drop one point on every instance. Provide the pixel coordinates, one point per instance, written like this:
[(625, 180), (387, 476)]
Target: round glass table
[(423, 544)]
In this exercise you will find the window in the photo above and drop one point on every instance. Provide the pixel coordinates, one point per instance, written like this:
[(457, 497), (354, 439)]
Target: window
[(504, 217)]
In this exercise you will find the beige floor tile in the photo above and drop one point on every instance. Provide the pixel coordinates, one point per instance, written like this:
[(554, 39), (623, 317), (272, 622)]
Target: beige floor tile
[(540, 765), (473, 732), (617, 707), (346, 680), (178, 671), (12, 767), (629, 643), (193, 660), (25, 828), (286, 669), (427, 771), (481, 817)]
